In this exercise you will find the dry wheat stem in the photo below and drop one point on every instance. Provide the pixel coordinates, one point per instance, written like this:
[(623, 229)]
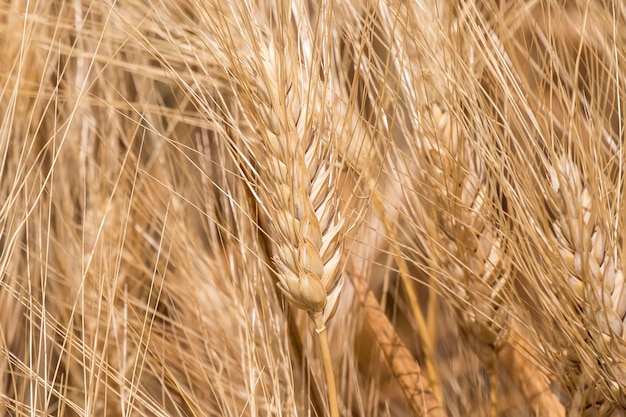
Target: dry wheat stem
[(320, 329)]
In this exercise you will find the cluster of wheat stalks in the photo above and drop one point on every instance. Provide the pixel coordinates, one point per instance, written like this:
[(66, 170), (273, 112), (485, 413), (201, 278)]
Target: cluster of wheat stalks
[(312, 207)]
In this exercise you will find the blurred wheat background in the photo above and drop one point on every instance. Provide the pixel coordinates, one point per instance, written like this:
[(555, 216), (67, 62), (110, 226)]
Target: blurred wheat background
[(312, 208)]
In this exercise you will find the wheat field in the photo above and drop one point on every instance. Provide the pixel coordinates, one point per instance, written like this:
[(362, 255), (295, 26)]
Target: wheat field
[(312, 208)]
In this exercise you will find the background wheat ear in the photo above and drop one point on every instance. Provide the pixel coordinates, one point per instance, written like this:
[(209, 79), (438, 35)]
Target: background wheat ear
[(565, 207), (590, 341), (451, 204), (463, 247)]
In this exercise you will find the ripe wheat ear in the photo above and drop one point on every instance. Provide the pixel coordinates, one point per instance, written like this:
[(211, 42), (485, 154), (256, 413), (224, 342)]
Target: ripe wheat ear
[(583, 278), (298, 147), (557, 159)]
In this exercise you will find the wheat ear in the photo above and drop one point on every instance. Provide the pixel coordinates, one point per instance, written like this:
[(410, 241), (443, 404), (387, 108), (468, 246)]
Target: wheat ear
[(296, 177), (594, 290), (462, 239), (292, 151), (306, 229), (467, 235), (450, 200)]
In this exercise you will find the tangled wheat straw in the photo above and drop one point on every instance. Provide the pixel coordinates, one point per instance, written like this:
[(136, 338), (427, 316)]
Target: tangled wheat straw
[(443, 179)]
